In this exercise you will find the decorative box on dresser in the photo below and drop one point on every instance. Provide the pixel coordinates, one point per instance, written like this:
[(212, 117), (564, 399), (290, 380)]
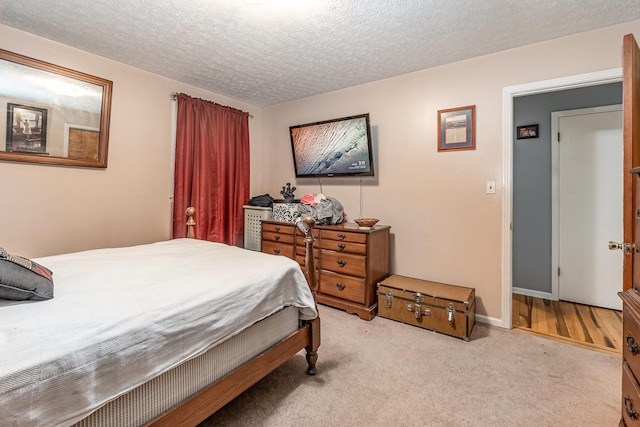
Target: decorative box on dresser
[(631, 330), (350, 261)]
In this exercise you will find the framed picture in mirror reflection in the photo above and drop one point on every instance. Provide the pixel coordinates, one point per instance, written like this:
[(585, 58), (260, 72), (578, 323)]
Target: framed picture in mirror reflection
[(26, 128)]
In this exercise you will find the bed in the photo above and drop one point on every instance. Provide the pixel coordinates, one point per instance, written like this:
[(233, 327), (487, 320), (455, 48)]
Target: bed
[(163, 334)]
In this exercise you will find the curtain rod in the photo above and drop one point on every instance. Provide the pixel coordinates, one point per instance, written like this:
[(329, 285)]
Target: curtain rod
[(174, 95)]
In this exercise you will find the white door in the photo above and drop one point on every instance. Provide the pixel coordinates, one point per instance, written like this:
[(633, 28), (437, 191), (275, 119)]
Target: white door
[(589, 205)]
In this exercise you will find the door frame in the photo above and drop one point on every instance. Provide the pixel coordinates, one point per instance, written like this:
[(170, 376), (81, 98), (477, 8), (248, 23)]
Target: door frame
[(508, 94)]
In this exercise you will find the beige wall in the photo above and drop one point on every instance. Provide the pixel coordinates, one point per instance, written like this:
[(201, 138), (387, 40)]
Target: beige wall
[(445, 227), (48, 210)]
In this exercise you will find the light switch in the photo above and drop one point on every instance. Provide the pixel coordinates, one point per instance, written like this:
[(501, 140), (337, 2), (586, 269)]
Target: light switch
[(491, 187)]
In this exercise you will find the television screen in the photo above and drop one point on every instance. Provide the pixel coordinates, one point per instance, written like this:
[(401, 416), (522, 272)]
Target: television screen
[(338, 147)]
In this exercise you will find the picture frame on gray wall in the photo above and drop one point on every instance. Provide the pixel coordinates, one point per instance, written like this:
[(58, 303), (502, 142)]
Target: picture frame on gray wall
[(526, 132)]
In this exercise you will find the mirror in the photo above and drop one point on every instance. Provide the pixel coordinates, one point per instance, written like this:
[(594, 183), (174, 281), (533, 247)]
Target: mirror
[(54, 115)]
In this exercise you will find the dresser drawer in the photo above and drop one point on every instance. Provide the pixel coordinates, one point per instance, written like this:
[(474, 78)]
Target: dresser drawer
[(341, 286), (278, 228), (631, 345), (630, 397), (277, 248), (277, 237), (344, 246), (342, 263), (301, 245), (301, 251), (300, 236), (301, 257), (343, 236)]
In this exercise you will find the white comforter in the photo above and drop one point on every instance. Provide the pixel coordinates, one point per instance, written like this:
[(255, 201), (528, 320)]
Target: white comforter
[(122, 316)]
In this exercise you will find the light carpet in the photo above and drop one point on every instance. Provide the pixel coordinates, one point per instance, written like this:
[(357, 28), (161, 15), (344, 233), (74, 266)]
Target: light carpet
[(385, 373)]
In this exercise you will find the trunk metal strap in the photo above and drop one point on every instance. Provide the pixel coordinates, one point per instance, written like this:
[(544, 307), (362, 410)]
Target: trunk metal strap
[(418, 298)]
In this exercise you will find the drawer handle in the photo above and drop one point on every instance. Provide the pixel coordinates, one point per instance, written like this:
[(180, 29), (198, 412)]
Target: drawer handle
[(341, 263), (276, 251), (277, 238), (342, 247), (341, 286), (632, 345), (277, 229), (628, 408), (342, 236)]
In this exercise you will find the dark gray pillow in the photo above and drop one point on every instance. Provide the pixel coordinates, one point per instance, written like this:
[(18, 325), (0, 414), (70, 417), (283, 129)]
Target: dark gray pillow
[(22, 279)]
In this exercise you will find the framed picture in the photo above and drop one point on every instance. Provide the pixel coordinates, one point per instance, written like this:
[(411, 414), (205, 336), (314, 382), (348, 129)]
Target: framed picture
[(529, 131), (26, 129), (457, 128)]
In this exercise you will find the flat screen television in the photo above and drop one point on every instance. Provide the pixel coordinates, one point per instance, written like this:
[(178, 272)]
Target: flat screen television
[(338, 147)]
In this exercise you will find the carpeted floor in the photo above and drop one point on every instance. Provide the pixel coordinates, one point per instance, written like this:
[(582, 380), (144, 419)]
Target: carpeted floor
[(384, 373)]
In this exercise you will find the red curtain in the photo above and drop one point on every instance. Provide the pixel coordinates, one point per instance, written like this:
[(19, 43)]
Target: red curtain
[(211, 170)]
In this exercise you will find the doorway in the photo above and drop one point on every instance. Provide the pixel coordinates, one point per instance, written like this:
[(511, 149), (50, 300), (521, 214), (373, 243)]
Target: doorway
[(587, 182), (509, 95)]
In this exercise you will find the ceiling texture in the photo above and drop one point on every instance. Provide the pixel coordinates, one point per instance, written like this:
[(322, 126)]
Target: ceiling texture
[(265, 52)]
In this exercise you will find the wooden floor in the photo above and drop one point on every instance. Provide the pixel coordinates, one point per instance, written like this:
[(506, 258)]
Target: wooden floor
[(588, 326)]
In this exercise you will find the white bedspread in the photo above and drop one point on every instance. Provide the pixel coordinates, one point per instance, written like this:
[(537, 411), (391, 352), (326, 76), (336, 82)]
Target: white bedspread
[(122, 316)]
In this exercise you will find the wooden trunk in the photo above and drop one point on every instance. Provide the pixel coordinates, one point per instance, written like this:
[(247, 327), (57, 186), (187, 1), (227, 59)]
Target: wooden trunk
[(440, 307)]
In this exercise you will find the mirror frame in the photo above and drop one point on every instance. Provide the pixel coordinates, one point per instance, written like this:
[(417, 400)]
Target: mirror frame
[(103, 138)]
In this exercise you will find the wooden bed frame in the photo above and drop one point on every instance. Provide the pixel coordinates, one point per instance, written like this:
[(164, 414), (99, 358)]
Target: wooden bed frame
[(207, 401)]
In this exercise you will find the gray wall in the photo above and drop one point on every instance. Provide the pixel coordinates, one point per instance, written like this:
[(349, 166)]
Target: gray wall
[(532, 179)]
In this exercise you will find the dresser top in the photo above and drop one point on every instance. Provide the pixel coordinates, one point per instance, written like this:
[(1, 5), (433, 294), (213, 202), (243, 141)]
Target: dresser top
[(346, 226)]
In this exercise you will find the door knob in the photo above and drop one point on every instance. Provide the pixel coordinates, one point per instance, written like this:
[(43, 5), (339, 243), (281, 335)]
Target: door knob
[(625, 247)]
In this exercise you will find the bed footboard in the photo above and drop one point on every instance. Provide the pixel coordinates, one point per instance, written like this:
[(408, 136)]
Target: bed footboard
[(309, 271), (191, 223), (314, 343)]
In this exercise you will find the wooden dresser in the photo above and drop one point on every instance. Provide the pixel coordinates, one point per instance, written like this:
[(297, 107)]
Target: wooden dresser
[(630, 358), (631, 331), (349, 261)]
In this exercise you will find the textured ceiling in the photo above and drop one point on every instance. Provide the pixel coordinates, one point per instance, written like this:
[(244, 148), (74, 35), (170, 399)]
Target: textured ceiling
[(265, 52)]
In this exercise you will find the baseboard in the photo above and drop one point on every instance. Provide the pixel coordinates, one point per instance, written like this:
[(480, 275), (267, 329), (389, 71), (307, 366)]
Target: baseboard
[(532, 293), (490, 320)]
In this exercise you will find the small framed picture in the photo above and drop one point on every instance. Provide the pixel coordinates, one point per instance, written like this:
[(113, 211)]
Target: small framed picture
[(529, 131), (26, 128), (457, 128)]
